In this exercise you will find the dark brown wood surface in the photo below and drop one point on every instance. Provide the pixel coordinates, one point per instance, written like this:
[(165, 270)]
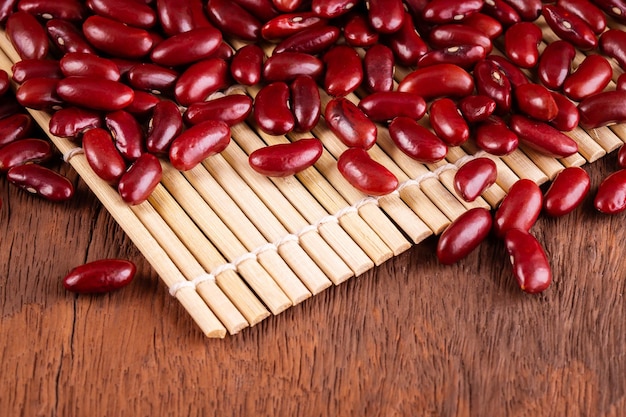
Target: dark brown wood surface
[(409, 338)]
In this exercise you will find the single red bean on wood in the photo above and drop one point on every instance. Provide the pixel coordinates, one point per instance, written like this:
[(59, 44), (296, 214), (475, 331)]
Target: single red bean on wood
[(29, 150), (246, 64), (288, 65), (41, 181), (187, 47), (71, 122), (271, 110), (612, 43), (610, 197), (555, 63), (351, 125), (567, 117), (438, 81), (494, 136), (100, 276), (406, 43), (35, 68), (542, 137), (39, 94), (592, 75), (230, 109), (152, 77), (464, 235), (521, 43), (312, 40), (587, 11), (474, 177), (378, 68), (306, 104), (383, 106), (82, 63), (94, 93), (536, 101), (447, 122), (519, 209), (165, 125), (567, 191), (386, 16), (197, 143), (14, 127), (140, 180), (27, 35), (116, 38), (287, 24), (531, 268), (570, 27), (200, 80), (127, 134), (344, 70), (364, 173), (358, 32), (102, 155), (286, 159), (417, 141), (602, 109)]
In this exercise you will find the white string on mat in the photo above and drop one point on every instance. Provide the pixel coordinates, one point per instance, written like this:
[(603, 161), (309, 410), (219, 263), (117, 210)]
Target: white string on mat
[(72, 152)]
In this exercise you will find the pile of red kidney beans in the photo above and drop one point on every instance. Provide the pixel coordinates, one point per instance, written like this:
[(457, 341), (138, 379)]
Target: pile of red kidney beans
[(135, 81)]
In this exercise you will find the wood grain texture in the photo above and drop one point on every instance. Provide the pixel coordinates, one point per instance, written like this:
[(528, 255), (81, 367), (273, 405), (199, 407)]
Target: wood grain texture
[(409, 337)]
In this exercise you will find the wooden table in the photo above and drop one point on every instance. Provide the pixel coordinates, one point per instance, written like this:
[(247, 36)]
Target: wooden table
[(409, 338)]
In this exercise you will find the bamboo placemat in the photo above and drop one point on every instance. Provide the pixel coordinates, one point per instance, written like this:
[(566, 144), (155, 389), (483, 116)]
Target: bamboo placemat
[(235, 247)]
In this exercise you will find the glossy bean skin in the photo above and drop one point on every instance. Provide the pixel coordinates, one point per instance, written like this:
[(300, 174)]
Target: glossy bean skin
[(67, 37), (101, 276), (531, 268), (465, 56), (177, 16), (344, 70), (71, 10), (14, 127), (378, 68), (438, 81), (288, 65), (140, 180), (528, 10), (35, 68), (446, 11), (350, 124), (536, 101), (485, 24), (386, 16), (494, 136), (81, 63), (306, 104), (331, 9), (542, 137), (613, 44), (620, 84), (447, 122), (230, 109), (313, 40), (39, 94), (407, 45), (29, 150), (474, 177), (263, 10), (165, 125), (476, 108), (567, 117), (187, 47), (131, 13), (286, 159), (502, 12), (287, 6), (492, 83), (515, 75), (71, 122), (613, 8), (152, 77), (455, 34), (246, 65), (519, 209), (234, 20), (591, 77), (555, 63), (358, 32), (41, 181), (197, 143), (27, 35), (6, 8), (4, 82), (587, 11), (364, 173), (102, 155), (602, 109), (567, 191), (383, 106), (610, 196), (463, 235), (271, 109), (127, 134), (117, 39), (570, 27), (94, 93), (521, 44), (142, 104), (287, 24), (621, 156), (200, 80), (417, 141)]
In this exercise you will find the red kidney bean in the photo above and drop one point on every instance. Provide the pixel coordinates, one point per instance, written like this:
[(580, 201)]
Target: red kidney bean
[(306, 103), (35, 68), (4, 82), (142, 104), (531, 268), (364, 173), (521, 43), (116, 38), (415, 7), (263, 10), (447, 122), (378, 68), (417, 141), (587, 11), (271, 109), (463, 235), (485, 24), (519, 209), (27, 35), (474, 177), (570, 27), (494, 136), (61, 9), (286, 159), (455, 34), (102, 155), (200, 80), (438, 81), (602, 109), (621, 157), (94, 93), (344, 70), (614, 8), (535, 101), (39, 93), (30, 150), (14, 127), (287, 5), (502, 12), (187, 47), (610, 197), (567, 117), (465, 56), (197, 143), (312, 40), (67, 37), (234, 20), (246, 64), (528, 10), (132, 13), (476, 108), (446, 11), (100, 276), (555, 63), (350, 124), (81, 63), (592, 75), (383, 106), (152, 77), (6, 8), (542, 137), (385, 16), (127, 134), (141, 178), (515, 75), (176, 16), (493, 83), (613, 44), (406, 44), (358, 32), (330, 9), (288, 65), (165, 125), (231, 109), (567, 191), (42, 181), (287, 24), (71, 122), (620, 84)]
